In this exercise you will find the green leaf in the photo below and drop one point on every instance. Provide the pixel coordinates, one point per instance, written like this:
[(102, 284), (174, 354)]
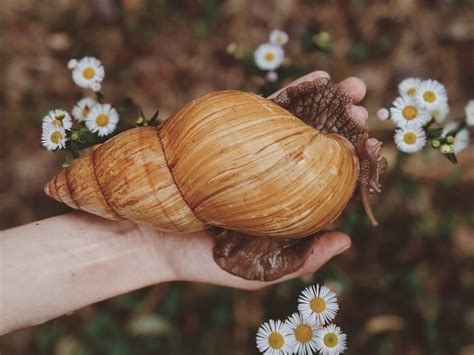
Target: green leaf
[(154, 119), (451, 157), (140, 112)]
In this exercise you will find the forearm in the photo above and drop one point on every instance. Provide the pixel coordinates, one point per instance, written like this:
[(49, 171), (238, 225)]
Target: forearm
[(55, 266)]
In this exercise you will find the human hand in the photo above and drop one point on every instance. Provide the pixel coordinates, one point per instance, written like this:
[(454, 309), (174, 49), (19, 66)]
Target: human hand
[(190, 257)]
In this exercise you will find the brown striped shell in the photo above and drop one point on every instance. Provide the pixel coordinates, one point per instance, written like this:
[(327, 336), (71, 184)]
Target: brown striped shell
[(228, 159)]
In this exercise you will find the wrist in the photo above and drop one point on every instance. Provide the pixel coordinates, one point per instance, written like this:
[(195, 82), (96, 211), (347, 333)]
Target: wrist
[(156, 254)]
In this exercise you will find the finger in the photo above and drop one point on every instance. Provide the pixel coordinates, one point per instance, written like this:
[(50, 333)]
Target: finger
[(324, 248), (308, 77), (360, 114), (354, 87)]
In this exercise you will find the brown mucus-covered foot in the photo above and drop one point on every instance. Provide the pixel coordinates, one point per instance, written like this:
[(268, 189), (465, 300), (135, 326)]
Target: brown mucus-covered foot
[(259, 258), (326, 107)]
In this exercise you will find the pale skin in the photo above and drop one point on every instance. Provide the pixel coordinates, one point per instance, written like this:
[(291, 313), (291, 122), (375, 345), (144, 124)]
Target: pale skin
[(58, 265)]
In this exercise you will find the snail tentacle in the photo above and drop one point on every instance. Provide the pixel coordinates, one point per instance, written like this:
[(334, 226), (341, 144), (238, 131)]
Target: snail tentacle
[(372, 166)]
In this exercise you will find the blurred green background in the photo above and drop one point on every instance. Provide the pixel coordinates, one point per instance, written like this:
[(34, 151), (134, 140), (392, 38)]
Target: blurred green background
[(406, 287)]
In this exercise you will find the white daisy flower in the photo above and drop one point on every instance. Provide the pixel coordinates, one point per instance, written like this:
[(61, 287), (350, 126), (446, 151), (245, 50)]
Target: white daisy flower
[(58, 118), (269, 56), (320, 303), (461, 140), (330, 340), (406, 109), (409, 86), (304, 333), (410, 139), (383, 114), (278, 37), (440, 113), (431, 95), (103, 119), (470, 113), (88, 72), (274, 338), (82, 108), (53, 137)]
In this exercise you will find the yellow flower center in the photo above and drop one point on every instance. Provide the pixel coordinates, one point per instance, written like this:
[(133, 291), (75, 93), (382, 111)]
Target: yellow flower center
[(57, 122), (275, 340), (269, 56), (429, 96), (303, 333), (409, 138), (85, 111), (317, 304), (330, 340), (411, 91), (88, 73), (409, 112), (55, 137), (102, 120)]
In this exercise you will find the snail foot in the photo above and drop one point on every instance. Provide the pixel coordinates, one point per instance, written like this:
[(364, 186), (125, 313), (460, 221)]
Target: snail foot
[(259, 258)]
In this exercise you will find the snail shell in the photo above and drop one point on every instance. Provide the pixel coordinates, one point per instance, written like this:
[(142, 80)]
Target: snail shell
[(228, 159)]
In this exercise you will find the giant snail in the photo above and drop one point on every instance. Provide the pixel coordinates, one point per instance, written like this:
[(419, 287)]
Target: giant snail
[(265, 176)]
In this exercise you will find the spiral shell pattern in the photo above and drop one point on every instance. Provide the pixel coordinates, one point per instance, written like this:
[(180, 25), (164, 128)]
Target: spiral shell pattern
[(229, 159)]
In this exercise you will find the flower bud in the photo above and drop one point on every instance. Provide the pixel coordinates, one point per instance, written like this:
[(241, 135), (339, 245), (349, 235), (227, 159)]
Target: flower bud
[(435, 143), (231, 48), (447, 148), (383, 114), (72, 64), (272, 76), (450, 139), (322, 39), (141, 121)]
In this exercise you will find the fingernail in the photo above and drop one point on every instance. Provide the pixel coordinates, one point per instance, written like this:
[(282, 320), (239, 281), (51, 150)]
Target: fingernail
[(343, 248)]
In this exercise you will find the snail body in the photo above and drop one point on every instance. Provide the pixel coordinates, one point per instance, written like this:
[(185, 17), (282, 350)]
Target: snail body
[(228, 159)]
